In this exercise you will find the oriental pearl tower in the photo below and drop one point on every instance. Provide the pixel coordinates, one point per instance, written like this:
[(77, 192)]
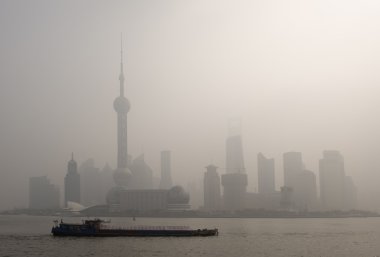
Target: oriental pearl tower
[(122, 174)]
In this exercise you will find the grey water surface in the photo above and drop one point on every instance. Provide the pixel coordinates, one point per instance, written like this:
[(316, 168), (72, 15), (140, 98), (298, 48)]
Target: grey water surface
[(30, 236)]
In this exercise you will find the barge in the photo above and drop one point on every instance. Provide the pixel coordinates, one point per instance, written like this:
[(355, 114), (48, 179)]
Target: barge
[(98, 228)]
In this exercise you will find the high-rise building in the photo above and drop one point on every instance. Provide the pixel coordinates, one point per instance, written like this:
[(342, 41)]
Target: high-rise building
[(142, 174), (72, 182), (302, 182), (266, 180), (332, 180), (121, 105), (350, 196), (306, 191), (43, 194), (234, 155), (293, 165), (91, 184), (287, 198), (211, 188), (106, 180), (166, 177), (235, 180), (234, 149), (234, 191)]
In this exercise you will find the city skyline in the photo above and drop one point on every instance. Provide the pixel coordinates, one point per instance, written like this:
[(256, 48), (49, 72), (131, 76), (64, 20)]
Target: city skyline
[(189, 73)]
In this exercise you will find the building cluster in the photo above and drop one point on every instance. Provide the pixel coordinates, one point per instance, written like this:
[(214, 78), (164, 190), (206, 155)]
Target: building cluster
[(132, 187), (298, 193)]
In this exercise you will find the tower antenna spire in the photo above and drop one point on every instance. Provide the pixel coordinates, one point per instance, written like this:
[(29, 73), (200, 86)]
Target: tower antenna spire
[(121, 77), (121, 48), (72, 156)]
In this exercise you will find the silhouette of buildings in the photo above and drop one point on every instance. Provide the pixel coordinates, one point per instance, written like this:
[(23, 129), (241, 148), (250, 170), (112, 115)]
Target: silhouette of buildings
[(301, 181), (267, 197), (211, 189), (350, 201), (43, 194), (306, 191), (293, 165), (106, 180), (166, 177), (142, 175), (287, 198), (265, 174), (91, 184), (235, 180), (332, 180), (338, 191), (72, 182), (234, 149), (234, 191), (140, 201)]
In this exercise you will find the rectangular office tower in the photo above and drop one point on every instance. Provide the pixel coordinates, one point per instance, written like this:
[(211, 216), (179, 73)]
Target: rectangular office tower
[(234, 148), (211, 188), (235, 180), (293, 166), (72, 183), (234, 155), (166, 177), (43, 194), (265, 168), (332, 180)]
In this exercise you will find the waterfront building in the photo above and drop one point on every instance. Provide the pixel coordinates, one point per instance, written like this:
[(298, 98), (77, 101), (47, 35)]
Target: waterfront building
[(301, 180), (293, 165), (332, 180), (235, 180), (306, 191), (43, 194), (166, 177), (72, 182), (211, 188), (287, 198), (142, 174), (266, 178), (350, 196), (234, 191), (91, 184), (147, 200)]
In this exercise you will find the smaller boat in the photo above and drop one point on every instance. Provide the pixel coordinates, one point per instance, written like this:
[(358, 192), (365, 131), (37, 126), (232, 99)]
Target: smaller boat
[(97, 228)]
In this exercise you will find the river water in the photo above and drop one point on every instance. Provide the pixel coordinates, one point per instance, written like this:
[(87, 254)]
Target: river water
[(356, 237)]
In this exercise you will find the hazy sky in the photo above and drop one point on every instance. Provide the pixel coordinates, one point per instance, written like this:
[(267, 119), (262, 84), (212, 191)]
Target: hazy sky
[(302, 76)]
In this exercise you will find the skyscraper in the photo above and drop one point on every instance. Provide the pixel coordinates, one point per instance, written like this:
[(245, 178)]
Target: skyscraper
[(235, 180), (350, 196), (234, 149), (91, 184), (293, 165), (211, 188), (332, 180), (306, 191), (42, 193), (72, 182), (166, 177), (302, 181), (265, 167), (122, 106), (142, 174)]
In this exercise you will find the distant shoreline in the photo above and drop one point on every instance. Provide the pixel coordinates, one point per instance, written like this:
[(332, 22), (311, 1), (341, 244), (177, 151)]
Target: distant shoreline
[(199, 214)]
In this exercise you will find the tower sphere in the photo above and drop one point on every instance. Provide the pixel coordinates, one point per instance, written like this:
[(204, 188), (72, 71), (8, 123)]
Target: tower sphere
[(121, 104), (122, 177)]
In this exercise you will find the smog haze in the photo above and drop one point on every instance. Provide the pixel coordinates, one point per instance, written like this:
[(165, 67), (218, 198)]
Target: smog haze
[(301, 76)]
